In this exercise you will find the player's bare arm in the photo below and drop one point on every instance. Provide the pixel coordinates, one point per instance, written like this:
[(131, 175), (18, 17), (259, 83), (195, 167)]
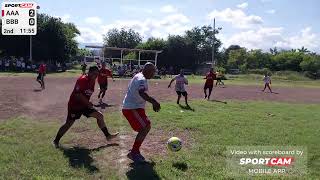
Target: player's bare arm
[(145, 96), (170, 83)]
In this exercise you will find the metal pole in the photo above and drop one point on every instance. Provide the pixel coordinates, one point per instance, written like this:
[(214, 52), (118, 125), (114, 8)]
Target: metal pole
[(139, 58), (30, 53), (155, 63), (213, 46)]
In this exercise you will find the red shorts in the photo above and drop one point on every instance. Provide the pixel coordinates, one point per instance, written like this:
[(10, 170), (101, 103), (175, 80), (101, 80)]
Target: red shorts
[(137, 118)]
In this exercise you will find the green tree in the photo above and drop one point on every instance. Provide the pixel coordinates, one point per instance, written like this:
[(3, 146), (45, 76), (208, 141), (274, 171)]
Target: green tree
[(237, 58), (311, 63), (122, 38)]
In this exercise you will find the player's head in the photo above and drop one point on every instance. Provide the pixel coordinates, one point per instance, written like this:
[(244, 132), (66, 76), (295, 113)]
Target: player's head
[(181, 72), (93, 72), (148, 70), (104, 64), (211, 70)]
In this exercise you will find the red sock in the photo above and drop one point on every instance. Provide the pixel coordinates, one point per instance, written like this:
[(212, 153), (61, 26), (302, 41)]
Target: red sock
[(136, 146)]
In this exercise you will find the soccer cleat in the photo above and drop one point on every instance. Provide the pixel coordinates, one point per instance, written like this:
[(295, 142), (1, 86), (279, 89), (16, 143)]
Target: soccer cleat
[(136, 157), (205, 96), (111, 136)]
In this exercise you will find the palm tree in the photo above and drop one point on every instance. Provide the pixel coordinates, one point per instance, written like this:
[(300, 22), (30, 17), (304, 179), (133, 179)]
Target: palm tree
[(303, 50)]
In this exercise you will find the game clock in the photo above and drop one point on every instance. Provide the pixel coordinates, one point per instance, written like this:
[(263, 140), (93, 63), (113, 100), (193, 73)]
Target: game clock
[(27, 31)]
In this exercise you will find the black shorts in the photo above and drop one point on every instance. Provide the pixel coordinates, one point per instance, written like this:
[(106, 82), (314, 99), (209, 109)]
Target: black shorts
[(182, 93), (76, 114), (40, 77), (103, 86)]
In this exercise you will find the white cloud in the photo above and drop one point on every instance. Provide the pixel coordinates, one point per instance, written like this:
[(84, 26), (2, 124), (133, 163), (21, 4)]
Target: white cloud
[(93, 20), (268, 37), (243, 5), (262, 38), (271, 11), (305, 38), (168, 9), (89, 35), (174, 24), (237, 18)]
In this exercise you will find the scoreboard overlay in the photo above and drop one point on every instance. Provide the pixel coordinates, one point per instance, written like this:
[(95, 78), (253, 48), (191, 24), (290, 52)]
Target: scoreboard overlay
[(19, 18)]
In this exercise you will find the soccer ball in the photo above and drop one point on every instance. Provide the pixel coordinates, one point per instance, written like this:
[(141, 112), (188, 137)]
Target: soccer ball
[(174, 144)]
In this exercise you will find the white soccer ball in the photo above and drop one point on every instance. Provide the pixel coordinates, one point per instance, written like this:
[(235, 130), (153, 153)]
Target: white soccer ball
[(174, 144)]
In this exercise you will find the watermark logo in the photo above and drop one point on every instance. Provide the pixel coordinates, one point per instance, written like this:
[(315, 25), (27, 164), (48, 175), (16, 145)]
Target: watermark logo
[(266, 161)]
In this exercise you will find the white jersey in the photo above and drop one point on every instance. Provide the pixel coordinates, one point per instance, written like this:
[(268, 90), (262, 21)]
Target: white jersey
[(267, 79), (180, 82), (133, 100)]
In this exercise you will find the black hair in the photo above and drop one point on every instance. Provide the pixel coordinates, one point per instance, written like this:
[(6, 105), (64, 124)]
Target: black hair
[(93, 68)]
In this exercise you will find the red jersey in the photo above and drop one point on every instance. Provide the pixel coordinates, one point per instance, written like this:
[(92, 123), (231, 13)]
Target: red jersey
[(84, 86), (103, 75), (210, 78), (42, 68)]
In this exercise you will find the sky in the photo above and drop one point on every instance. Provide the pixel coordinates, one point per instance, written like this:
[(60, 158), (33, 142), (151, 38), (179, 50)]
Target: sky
[(254, 24)]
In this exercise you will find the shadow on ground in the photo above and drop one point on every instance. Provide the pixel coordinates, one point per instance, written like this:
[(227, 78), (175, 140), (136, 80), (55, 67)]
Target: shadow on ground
[(142, 171), (182, 166), (186, 107), (79, 157)]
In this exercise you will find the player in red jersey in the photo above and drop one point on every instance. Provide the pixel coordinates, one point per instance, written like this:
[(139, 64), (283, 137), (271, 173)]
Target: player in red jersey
[(104, 73), (41, 74), (210, 77), (79, 104)]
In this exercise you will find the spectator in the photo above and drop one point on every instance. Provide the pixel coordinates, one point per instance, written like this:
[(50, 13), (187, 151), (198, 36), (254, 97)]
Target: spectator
[(7, 65), (23, 66)]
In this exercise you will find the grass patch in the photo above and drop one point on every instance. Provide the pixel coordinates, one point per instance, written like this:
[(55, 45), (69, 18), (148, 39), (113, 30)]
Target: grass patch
[(256, 80), (25, 150)]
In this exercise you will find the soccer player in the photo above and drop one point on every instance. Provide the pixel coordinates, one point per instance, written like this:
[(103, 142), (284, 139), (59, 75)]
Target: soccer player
[(79, 104), (134, 108), (181, 80), (267, 82), (210, 77), (41, 74), (83, 67), (104, 73)]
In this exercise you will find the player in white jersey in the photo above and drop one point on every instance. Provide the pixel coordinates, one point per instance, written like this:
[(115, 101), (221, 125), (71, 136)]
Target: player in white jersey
[(134, 108), (267, 82), (181, 81)]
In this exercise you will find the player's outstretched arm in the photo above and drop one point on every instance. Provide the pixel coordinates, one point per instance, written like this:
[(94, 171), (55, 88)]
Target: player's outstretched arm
[(171, 82), (155, 104)]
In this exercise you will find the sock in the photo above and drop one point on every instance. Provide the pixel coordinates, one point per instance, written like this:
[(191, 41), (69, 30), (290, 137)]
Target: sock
[(58, 137), (105, 131), (136, 146)]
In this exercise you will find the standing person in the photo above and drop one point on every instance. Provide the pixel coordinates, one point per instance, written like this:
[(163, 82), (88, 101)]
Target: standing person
[(23, 66), (219, 78), (134, 108), (210, 77), (267, 82), (181, 81), (41, 74), (83, 67), (79, 104), (104, 73)]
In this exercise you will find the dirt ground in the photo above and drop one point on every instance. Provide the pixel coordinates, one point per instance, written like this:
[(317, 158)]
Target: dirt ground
[(23, 97)]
